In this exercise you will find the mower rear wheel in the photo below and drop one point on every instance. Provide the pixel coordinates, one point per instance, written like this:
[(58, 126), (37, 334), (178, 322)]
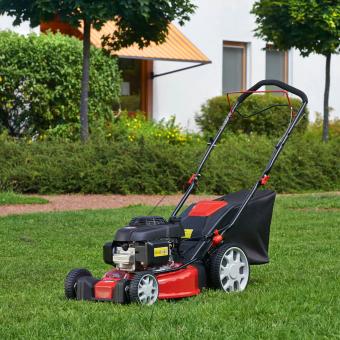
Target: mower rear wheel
[(144, 288), (229, 269), (71, 280)]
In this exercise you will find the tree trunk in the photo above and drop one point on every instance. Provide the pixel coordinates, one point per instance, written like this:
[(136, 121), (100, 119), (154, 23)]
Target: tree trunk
[(325, 130), (84, 101)]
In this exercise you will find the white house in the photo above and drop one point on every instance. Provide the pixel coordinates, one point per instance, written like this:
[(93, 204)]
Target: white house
[(6, 24), (222, 32)]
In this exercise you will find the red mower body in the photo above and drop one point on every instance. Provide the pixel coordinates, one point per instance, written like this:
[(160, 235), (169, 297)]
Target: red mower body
[(104, 289), (173, 285), (179, 284)]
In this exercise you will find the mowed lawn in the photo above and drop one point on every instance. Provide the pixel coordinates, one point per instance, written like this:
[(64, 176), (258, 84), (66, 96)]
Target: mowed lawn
[(296, 296), (13, 198)]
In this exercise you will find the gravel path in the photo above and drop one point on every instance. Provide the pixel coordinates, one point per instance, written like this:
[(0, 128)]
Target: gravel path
[(80, 202)]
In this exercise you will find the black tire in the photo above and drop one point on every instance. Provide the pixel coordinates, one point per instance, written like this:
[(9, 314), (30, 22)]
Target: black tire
[(238, 283), (70, 283), (135, 293)]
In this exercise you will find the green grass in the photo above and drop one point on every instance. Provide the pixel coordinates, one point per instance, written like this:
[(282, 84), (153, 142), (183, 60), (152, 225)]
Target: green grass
[(296, 296), (314, 201), (13, 198)]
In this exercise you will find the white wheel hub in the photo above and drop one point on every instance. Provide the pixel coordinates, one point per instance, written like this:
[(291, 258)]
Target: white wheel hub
[(148, 289), (234, 270)]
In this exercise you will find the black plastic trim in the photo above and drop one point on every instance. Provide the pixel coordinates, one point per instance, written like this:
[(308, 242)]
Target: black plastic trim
[(85, 288), (119, 293), (202, 274), (277, 83)]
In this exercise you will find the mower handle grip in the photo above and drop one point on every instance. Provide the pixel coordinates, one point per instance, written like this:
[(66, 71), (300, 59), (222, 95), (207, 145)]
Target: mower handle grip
[(277, 83)]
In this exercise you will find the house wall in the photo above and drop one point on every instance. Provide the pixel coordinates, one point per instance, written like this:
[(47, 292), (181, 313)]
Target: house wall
[(6, 23), (216, 21)]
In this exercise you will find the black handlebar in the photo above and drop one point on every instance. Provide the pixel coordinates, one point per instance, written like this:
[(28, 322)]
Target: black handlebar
[(277, 83)]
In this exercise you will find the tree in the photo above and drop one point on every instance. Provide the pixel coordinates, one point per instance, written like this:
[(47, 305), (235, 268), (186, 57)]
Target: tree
[(311, 26), (137, 21)]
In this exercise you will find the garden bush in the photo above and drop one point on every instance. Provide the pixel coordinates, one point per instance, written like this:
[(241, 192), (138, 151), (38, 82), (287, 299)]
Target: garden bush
[(40, 80), (154, 166), (126, 127), (271, 122), (315, 128), (138, 127)]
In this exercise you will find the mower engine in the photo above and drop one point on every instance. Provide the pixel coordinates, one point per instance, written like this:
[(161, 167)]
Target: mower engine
[(128, 253), (138, 256)]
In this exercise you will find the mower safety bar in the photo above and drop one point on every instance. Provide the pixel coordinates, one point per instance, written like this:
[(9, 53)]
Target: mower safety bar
[(277, 83), (278, 147)]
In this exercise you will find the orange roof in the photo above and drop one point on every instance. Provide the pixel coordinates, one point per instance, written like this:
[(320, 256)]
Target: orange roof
[(176, 47)]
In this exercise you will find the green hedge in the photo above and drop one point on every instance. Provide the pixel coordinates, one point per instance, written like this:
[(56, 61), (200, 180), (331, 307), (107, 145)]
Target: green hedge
[(40, 80), (271, 122), (149, 167)]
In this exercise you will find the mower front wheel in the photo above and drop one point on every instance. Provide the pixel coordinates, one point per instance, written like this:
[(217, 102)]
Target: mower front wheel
[(71, 280), (144, 288), (229, 269)]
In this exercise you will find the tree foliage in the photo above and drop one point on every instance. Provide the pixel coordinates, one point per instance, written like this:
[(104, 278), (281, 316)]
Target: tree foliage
[(137, 21), (311, 26), (40, 87)]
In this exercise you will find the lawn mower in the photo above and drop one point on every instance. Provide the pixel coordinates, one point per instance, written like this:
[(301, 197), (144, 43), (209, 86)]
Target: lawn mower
[(211, 243)]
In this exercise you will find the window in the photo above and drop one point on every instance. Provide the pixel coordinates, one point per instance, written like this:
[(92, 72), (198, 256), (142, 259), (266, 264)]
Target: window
[(276, 64), (234, 66), (136, 87), (131, 86)]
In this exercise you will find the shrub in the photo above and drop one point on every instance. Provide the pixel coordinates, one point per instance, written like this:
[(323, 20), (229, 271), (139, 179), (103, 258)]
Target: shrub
[(139, 127), (128, 128), (40, 80), (154, 166), (315, 128), (271, 122)]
